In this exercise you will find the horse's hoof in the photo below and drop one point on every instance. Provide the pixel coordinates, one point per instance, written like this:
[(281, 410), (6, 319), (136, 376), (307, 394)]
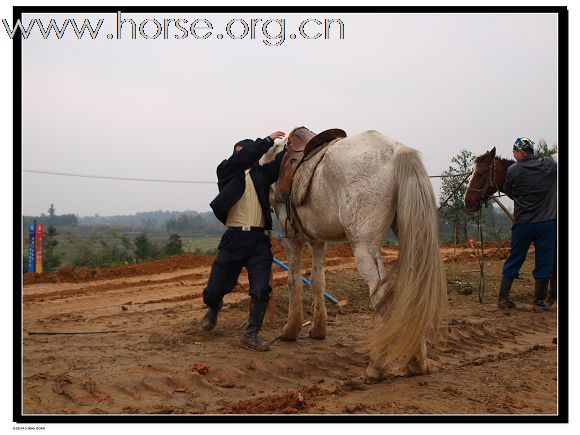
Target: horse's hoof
[(371, 375), (316, 335), (381, 378), (289, 333), (370, 380), (415, 371), (416, 367)]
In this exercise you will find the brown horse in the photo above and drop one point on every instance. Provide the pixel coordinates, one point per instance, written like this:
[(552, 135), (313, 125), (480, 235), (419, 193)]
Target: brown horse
[(487, 178)]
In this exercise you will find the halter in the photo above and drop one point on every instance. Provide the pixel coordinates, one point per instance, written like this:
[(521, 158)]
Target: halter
[(490, 182)]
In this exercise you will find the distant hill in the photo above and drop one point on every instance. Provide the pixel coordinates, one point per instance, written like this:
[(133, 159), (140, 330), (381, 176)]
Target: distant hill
[(189, 221), (145, 218)]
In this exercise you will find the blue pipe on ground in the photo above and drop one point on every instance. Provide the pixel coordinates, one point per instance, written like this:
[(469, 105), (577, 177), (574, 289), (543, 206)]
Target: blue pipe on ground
[(326, 295)]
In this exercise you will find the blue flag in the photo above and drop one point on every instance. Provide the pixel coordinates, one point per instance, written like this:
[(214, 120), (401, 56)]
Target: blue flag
[(31, 244)]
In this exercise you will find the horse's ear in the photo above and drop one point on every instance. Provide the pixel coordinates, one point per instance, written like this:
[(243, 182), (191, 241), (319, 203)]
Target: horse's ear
[(492, 153)]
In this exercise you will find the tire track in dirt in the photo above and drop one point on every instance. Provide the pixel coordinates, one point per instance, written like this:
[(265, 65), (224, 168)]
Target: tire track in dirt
[(195, 278)]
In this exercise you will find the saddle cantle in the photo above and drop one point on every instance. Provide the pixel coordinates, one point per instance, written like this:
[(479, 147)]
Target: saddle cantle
[(301, 142)]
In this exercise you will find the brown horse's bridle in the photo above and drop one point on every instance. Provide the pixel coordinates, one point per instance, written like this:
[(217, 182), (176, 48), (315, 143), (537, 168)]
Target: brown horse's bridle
[(483, 196)]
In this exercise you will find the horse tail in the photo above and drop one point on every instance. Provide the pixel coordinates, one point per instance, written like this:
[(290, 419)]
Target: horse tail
[(416, 301)]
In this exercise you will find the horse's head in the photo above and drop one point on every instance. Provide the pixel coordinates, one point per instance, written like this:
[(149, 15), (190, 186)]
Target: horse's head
[(482, 183)]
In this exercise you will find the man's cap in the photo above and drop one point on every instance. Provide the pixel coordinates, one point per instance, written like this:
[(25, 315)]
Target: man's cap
[(243, 143), (524, 144)]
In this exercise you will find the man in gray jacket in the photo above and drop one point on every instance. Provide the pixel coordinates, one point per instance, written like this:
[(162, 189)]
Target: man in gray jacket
[(531, 182)]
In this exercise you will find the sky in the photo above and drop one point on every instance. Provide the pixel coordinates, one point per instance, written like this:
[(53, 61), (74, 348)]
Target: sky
[(171, 109)]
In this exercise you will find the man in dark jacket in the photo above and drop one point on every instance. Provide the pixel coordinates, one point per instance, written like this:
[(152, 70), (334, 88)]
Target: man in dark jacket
[(243, 205), (531, 183)]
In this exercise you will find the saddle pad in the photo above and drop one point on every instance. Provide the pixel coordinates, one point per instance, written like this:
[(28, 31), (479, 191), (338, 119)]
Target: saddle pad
[(303, 175)]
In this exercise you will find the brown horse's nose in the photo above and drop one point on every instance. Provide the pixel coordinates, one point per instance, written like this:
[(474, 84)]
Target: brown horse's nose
[(471, 205)]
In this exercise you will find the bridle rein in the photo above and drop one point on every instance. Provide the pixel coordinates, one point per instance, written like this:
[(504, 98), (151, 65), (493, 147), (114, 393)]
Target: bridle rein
[(490, 182)]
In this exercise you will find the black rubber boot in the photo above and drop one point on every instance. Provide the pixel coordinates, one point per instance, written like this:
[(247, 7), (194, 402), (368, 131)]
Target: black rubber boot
[(210, 319), (540, 295), (552, 293), (503, 298), (250, 338)]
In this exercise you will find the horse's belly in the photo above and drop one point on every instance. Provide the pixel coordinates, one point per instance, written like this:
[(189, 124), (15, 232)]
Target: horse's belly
[(322, 223)]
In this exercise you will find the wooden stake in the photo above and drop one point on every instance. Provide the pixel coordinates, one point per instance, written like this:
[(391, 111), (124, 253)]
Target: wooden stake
[(505, 210)]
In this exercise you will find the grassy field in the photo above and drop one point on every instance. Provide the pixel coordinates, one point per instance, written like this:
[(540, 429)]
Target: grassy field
[(203, 244), (102, 249)]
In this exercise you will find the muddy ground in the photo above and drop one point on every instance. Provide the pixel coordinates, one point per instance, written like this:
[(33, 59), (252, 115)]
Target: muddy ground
[(148, 353)]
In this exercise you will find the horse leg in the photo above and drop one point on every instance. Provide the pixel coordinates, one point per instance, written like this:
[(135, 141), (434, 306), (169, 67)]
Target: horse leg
[(417, 365), (293, 248), (374, 371), (318, 329), (367, 262)]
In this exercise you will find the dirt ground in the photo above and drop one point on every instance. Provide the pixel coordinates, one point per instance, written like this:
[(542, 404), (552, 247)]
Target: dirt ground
[(147, 352)]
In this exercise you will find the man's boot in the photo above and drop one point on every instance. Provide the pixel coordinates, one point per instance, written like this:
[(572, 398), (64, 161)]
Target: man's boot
[(210, 319), (552, 293), (503, 298), (540, 295), (250, 337)]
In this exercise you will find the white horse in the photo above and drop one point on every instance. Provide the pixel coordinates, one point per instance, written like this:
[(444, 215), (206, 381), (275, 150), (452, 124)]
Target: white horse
[(364, 185)]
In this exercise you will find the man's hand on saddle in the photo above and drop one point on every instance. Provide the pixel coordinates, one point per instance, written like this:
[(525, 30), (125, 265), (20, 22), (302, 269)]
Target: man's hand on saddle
[(277, 135)]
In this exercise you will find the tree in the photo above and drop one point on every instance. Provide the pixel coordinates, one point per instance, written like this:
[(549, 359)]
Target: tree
[(111, 255), (543, 150), (51, 260), (174, 245), (126, 242), (25, 263), (496, 225), (453, 187), (149, 223), (171, 224), (91, 257), (155, 252), (143, 248)]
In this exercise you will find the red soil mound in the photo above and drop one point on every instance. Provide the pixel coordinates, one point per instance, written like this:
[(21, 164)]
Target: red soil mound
[(189, 261), (278, 250), (70, 274), (343, 250)]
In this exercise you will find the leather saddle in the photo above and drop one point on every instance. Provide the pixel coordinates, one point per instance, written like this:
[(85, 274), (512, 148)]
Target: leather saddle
[(301, 142)]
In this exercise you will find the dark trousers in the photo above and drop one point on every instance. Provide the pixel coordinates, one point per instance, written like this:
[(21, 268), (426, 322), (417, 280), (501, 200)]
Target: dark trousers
[(554, 280), (237, 249), (543, 235)]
